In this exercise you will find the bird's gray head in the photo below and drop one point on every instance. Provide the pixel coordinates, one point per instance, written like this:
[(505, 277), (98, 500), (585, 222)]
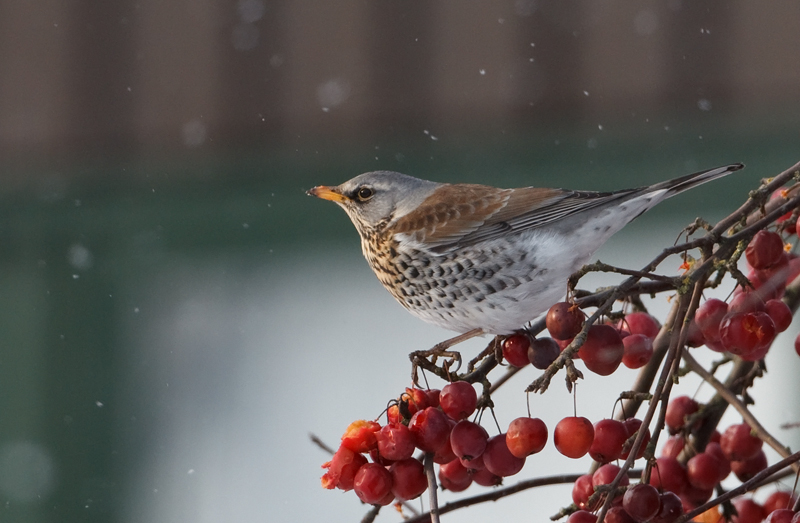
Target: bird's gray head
[(377, 198)]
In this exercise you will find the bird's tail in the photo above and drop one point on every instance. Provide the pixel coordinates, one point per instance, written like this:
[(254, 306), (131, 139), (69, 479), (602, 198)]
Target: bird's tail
[(678, 185)]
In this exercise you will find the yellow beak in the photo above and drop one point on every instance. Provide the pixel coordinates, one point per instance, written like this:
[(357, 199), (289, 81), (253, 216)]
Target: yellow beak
[(327, 193)]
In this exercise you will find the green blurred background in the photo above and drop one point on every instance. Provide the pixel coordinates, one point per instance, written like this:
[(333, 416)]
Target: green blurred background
[(176, 315)]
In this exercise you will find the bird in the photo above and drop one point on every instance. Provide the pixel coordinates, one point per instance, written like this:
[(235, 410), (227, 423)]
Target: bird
[(481, 259)]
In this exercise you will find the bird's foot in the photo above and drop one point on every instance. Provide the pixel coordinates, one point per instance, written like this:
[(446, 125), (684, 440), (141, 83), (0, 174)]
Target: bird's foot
[(428, 359)]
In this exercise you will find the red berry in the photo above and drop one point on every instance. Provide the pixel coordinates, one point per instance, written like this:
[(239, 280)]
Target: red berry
[(708, 317), (714, 450), (609, 437), (738, 443), (468, 440), (475, 464), (748, 468), (433, 397), (582, 490), (499, 460), (695, 337), (485, 478), (412, 401), (782, 515), (526, 436), (408, 479), (445, 453), (641, 323), (342, 469), (632, 425), (746, 301), (515, 350), (603, 350), (669, 474), (458, 400), (372, 483), (638, 351), (748, 511), (429, 429), (581, 516), (693, 497), (393, 414), (543, 352), (564, 320), (605, 474), (671, 508), (780, 313), (677, 411), (395, 442), (673, 446), (778, 499), (702, 471), (764, 250), (573, 436), (454, 477), (618, 514), (642, 502), (743, 333), (360, 436), (797, 344)]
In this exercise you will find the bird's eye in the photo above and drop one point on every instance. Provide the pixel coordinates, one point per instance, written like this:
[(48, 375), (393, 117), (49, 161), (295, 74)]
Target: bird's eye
[(364, 193)]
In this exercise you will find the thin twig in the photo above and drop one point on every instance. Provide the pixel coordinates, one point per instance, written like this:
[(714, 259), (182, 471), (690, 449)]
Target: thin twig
[(432, 488), (740, 407), (500, 493)]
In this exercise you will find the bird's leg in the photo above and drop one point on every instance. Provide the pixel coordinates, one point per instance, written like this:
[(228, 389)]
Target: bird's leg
[(440, 350)]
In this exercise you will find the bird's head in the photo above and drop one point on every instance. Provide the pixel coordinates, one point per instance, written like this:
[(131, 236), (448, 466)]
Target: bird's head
[(375, 199)]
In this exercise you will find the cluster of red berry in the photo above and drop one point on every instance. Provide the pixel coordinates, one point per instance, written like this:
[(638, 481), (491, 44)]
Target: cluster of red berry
[(434, 422), (628, 342), (674, 488)]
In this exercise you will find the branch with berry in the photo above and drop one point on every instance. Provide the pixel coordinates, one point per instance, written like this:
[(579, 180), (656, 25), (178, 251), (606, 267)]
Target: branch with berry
[(445, 427)]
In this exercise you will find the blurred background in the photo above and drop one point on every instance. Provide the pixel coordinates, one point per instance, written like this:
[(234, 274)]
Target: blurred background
[(176, 316)]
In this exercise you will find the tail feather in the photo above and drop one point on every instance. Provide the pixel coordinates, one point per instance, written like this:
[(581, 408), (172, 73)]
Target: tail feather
[(683, 183)]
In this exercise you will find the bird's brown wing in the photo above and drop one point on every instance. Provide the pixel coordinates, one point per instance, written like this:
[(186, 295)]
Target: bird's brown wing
[(461, 215)]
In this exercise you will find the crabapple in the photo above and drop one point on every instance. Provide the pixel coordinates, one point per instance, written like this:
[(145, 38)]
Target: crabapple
[(581, 516), (603, 350), (748, 468), (360, 436), (564, 320), (515, 350), (468, 440), (526, 436), (543, 352), (764, 250), (632, 425), (738, 443), (408, 479), (458, 400), (642, 502), (499, 459), (429, 429), (677, 411), (395, 442), (573, 436), (372, 483), (638, 349), (609, 437)]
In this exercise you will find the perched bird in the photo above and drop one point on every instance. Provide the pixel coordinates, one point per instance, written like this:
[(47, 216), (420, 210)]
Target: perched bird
[(468, 257)]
